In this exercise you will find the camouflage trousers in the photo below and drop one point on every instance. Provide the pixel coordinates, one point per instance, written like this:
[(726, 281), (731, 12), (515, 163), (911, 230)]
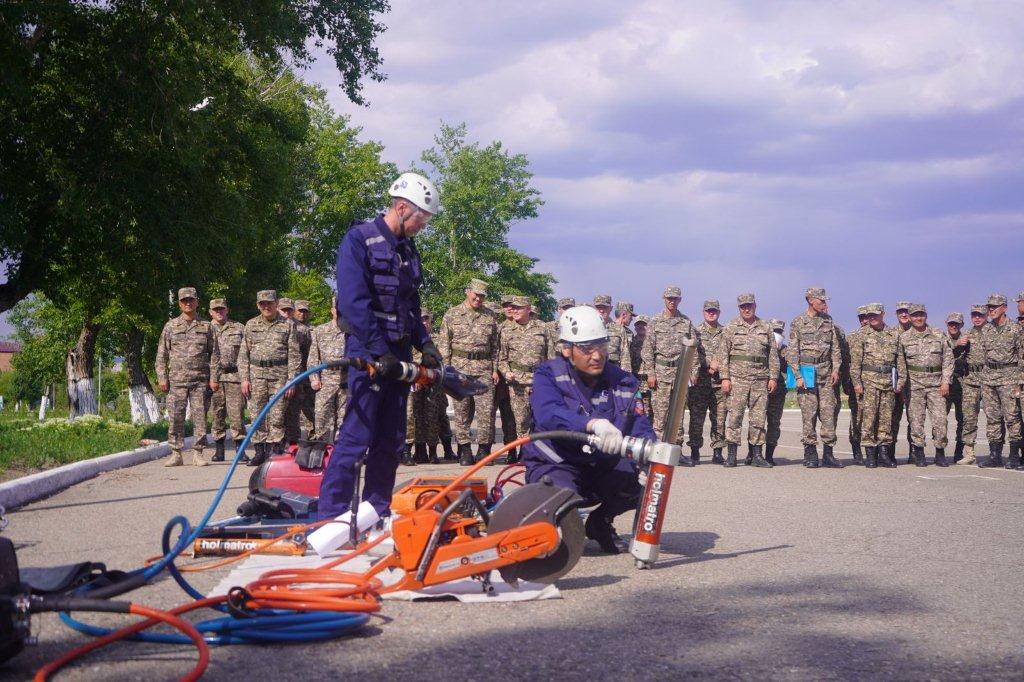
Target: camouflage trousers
[(955, 401), (645, 396), (751, 396), (660, 397), (776, 404), (481, 406), (504, 406), (926, 400), (707, 401), (271, 429), (875, 416), (196, 397), (328, 411), (897, 413), (854, 403), (426, 416), (970, 405), (228, 407), (300, 412), (519, 395), (1002, 410), (818, 404)]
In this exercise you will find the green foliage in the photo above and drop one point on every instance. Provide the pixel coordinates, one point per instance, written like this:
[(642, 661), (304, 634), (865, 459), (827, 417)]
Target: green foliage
[(484, 192), (312, 287)]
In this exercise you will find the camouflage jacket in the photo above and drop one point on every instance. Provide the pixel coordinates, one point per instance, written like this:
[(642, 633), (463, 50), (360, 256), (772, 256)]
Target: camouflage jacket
[(636, 345), (814, 341), (270, 350), (187, 353), (925, 358), (522, 348), (748, 352), (468, 340), (304, 333), (710, 342), (327, 343), (1004, 354), (229, 340), (873, 357), (959, 356), (663, 345), (974, 359), (618, 344)]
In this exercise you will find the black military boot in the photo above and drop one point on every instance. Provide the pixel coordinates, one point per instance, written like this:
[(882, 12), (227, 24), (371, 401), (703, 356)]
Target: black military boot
[(260, 456), (407, 458), (885, 458), (958, 453), (466, 455), (244, 459), (858, 458), (420, 453), (750, 455), (940, 457), (828, 459), (870, 457), (995, 456), (730, 459), (432, 454), (810, 456), (512, 456), (917, 454), (482, 450), (1014, 461), (757, 460), (218, 453), (601, 529), (716, 456), (769, 453), (695, 454), (449, 453), (278, 448)]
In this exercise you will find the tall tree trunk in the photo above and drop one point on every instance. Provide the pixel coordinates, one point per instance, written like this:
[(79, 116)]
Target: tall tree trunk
[(144, 406), (78, 367)]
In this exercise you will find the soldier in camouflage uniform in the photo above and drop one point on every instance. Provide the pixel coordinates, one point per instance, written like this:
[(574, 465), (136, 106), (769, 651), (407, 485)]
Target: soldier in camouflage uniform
[(468, 341), (635, 348), (777, 398), (187, 365), (524, 344), (1003, 343), (872, 360), (329, 386), (268, 359), (955, 399), (664, 343), (624, 317), (300, 404), (903, 399), (502, 398), (924, 359), (226, 403), (813, 341), (847, 385), (618, 336), (747, 359), (972, 378), (563, 305), (706, 398)]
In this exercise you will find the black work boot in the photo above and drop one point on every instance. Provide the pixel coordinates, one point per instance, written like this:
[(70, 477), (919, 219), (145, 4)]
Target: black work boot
[(260, 456), (218, 453), (716, 456), (512, 456), (1014, 461), (917, 454), (885, 457), (601, 529), (858, 458), (810, 456), (695, 454), (432, 457), (958, 453), (750, 455), (870, 457), (828, 459), (407, 458), (940, 457), (420, 453), (466, 455), (482, 450), (769, 453), (278, 448), (995, 456), (757, 460), (449, 453), (244, 459), (730, 458)]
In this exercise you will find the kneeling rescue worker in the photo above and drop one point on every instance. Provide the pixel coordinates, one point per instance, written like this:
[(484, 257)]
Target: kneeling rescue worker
[(582, 391)]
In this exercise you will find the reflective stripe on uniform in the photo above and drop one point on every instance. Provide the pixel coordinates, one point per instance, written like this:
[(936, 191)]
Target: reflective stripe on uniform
[(547, 450)]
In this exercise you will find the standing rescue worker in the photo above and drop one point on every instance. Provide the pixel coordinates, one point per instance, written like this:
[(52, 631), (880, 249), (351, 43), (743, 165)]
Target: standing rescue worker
[(582, 391), (226, 403), (379, 276), (187, 364)]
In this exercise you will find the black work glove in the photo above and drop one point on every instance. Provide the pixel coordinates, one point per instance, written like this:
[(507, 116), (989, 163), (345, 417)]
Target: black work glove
[(431, 356), (389, 366)]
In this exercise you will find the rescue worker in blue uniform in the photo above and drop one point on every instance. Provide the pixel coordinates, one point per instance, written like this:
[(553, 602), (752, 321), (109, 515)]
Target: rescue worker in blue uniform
[(379, 276), (582, 391)]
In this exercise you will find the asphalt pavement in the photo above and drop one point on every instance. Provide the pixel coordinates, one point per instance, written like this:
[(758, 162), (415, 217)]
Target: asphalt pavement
[(789, 574)]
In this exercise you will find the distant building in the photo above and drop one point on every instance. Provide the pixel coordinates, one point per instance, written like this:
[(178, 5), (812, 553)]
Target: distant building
[(8, 349)]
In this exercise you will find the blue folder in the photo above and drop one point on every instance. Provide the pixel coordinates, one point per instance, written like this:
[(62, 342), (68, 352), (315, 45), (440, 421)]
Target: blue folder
[(806, 371)]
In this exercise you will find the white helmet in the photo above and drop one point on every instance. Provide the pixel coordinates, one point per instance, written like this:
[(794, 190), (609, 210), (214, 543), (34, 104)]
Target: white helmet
[(581, 324), (418, 190)]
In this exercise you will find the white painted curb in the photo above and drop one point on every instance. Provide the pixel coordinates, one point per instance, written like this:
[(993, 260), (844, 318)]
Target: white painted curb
[(21, 491)]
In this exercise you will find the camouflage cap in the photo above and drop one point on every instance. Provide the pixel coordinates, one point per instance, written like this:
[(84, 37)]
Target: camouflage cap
[(602, 299), (673, 292), (711, 304), (996, 299), (745, 299), (816, 292), (622, 307), (186, 292), (862, 310), (641, 319), (302, 304), (903, 305), (507, 299), (218, 303), (520, 301), (493, 307), (917, 308), (874, 309), (266, 295), (285, 303), (477, 286), (567, 302), (955, 317), (979, 308), (1020, 297), (777, 325)]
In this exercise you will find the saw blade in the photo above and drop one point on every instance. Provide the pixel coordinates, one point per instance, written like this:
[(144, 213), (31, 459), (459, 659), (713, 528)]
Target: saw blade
[(536, 502)]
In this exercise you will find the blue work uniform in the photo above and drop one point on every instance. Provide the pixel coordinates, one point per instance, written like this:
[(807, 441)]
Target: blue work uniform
[(379, 276), (561, 401)]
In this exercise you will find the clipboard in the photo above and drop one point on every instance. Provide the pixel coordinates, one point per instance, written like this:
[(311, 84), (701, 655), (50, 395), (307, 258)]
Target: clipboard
[(806, 371)]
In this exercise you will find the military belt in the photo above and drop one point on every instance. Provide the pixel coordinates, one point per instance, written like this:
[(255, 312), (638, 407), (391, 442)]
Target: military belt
[(881, 369), (229, 368), (749, 358), (930, 369), (665, 363), (519, 367), (471, 354), (976, 367), (271, 363), (1000, 365), (812, 359)]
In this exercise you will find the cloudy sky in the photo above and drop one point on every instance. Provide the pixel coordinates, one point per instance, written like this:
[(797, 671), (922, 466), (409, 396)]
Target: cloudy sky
[(875, 149)]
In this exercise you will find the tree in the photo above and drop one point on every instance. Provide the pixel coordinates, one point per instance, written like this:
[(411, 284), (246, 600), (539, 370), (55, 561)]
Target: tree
[(311, 286), (484, 192)]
